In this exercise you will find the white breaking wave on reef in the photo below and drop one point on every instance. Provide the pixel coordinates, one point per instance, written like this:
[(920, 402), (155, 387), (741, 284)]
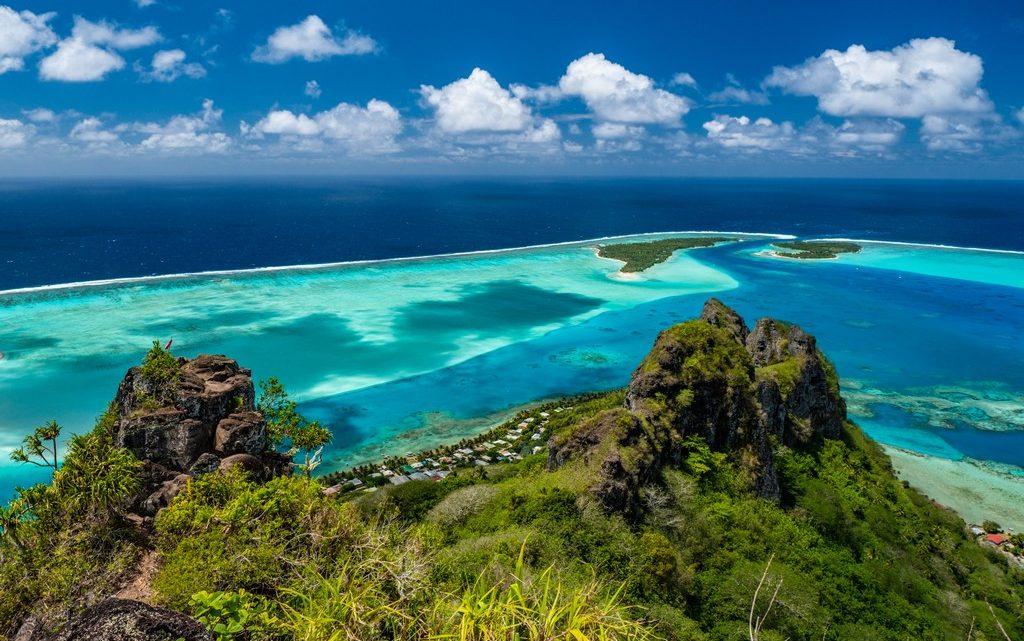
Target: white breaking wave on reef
[(926, 245), (375, 261), (128, 280)]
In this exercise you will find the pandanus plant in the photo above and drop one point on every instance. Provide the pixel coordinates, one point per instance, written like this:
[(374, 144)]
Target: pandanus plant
[(40, 447)]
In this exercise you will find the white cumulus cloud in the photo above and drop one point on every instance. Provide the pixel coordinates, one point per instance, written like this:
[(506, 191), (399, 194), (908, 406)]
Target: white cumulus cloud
[(683, 79), (916, 79), (104, 33), (478, 104), (364, 130), (89, 54), (313, 89), (79, 61), (186, 133), (616, 94), (312, 40), (869, 135), (40, 114), (14, 133), (287, 123), (169, 64), (95, 138), (375, 125), (964, 133), (618, 137), (21, 34), (751, 135), (616, 130), (91, 130), (859, 137)]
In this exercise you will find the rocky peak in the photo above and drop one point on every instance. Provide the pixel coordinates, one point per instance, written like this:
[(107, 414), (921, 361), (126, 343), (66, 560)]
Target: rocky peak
[(768, 343), (202, 420), (718, 314), (743, 392), (773, 341)]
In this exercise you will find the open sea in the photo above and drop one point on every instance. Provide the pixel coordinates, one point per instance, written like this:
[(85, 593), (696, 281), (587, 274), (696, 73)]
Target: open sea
[(925, 325)]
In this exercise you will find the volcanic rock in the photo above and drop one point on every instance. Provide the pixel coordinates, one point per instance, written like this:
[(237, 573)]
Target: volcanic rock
[(190, 426)]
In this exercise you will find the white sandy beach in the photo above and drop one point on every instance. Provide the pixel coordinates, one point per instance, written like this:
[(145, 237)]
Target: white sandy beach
[(974, 490)]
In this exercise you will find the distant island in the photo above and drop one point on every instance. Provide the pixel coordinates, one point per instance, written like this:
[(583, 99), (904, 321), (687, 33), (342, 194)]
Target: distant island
[(722, 495), (816, 249), (643, 255)]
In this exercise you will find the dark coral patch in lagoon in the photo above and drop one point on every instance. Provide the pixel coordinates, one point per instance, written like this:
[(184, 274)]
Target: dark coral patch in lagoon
[(495, 307), (12, 345)]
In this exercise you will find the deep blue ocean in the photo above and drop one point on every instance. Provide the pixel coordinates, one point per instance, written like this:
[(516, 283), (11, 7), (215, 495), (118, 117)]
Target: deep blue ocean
[(61, 232)]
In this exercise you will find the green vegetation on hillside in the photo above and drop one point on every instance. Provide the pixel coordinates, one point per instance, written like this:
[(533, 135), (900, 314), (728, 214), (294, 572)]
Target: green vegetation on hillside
[(287, 428), (64, 543), (858, 555), (816, 249), (639, 256), (159, 372), (522, 549), (855, 554)]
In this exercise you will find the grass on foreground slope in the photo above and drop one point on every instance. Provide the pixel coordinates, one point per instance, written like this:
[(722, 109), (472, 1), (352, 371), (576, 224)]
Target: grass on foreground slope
[(816, 249), (640, 256)]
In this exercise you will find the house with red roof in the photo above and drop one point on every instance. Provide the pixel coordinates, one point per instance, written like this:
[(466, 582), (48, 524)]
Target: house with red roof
[(996, 539)]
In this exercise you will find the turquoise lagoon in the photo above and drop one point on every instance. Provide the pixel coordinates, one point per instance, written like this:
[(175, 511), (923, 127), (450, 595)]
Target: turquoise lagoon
[(405, 354)]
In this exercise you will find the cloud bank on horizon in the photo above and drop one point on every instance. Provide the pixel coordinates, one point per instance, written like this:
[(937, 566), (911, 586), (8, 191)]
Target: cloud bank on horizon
[(922, 99)]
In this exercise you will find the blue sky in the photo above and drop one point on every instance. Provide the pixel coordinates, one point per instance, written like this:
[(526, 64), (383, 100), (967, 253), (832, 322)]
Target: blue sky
[(788, 88)]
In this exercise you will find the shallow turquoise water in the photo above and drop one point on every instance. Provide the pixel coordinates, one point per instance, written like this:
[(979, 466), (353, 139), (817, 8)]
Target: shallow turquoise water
[(982, 266), (401, 355)]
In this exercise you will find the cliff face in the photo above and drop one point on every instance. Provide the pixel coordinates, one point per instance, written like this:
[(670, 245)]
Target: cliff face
[(743, 392), (206, 420)]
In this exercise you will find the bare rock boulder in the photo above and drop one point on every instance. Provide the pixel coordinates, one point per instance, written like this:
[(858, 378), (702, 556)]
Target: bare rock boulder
[(123, 620), (241, 433)]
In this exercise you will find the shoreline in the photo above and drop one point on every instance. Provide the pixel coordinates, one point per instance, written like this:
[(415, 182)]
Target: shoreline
[(483, 427), (773, 254), (532, 417), (638, 275), (924, 245), (374, 261), (972, 490), (127, 280)]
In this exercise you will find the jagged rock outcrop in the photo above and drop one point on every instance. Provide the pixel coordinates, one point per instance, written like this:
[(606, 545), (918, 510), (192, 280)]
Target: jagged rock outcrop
[(807, 381), (123, 620), (720, 315), (743, 392), (194, 424)]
